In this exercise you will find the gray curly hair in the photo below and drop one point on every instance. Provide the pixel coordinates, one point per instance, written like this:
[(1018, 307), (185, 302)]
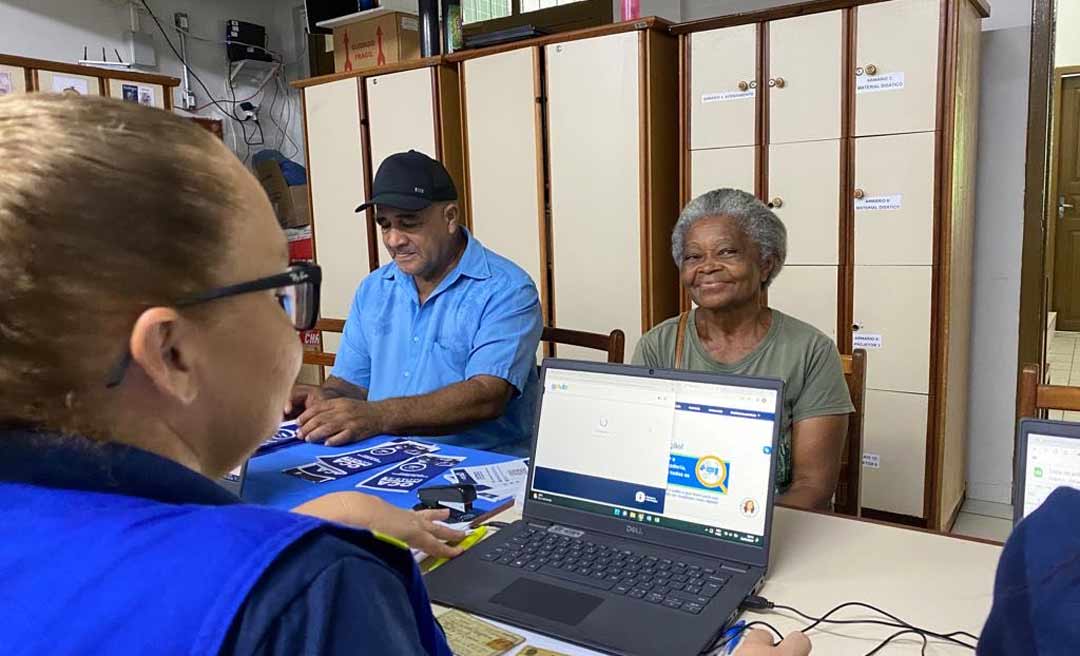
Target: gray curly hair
[(753, 217)]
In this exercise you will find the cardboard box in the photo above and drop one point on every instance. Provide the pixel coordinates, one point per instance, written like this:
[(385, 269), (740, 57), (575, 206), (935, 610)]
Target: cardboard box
[(290, 203), (385, 39)]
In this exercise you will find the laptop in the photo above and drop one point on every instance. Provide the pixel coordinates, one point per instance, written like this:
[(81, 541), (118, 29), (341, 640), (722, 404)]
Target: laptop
[(647, 516), (1047, 457)]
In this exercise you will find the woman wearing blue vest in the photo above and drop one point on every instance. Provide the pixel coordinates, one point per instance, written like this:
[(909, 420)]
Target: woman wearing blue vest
[(148, 320)]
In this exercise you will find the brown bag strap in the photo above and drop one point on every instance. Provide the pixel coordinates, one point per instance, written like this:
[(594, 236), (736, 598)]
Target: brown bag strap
[(680, 339)]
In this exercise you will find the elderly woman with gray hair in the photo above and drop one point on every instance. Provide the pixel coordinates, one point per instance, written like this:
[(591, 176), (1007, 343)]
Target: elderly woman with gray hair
[(729, 247)]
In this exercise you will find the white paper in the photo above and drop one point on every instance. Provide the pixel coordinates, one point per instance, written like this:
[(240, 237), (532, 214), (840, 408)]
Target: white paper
[(878, 83), (146, 96), (495, 482), (419, 556), (725, 96), (871, 203), (867, 341), (410, 24), (74, 85), (871, 461), (6, 85)]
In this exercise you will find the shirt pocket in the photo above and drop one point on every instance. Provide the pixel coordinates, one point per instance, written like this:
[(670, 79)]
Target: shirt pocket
[(449, 360)]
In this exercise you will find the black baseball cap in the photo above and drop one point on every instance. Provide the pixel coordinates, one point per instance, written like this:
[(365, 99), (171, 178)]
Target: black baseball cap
[(410, 181)]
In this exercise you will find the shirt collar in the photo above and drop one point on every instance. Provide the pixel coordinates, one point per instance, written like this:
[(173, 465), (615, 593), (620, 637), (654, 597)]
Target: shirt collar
[(77, 463), (473, 263)]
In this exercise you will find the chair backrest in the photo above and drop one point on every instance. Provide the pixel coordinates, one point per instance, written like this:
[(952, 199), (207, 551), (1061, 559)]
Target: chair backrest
[(1032, 396), (848, 500), (322, 358), (614, 343)]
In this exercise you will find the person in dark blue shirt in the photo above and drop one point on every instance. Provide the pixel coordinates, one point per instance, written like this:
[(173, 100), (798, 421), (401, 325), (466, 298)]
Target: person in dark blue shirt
[(148, 343)]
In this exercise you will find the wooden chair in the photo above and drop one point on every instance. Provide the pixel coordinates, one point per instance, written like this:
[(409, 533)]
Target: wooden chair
[(614, 343), (322, 358), (848, 500), (1033, 397)]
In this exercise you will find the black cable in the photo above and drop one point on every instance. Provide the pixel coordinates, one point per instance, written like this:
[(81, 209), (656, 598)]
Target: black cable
[(884, 643), (184, 63), (896, 623)]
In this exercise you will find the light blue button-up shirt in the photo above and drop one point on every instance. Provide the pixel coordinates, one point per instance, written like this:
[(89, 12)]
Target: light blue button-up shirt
[(483, 319)]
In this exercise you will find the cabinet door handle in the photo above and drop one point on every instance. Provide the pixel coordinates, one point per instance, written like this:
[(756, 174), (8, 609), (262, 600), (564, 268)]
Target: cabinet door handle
[(744, 85), (871, 69), (780, 83), (856, 327), (859, 193), (776, 202), (753, 84)]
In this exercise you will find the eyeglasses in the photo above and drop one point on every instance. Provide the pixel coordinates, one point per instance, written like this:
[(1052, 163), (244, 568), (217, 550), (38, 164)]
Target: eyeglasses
[(297, 291)]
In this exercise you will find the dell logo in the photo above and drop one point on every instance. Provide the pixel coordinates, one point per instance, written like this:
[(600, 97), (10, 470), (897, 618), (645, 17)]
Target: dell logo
[(634, 530)]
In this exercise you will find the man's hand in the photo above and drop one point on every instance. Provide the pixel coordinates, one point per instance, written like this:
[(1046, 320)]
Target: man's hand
[(760, 643), (303, 397), (416, 529), (338, 421)]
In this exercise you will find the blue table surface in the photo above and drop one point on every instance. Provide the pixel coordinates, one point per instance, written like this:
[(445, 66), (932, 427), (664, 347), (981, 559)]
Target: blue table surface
[(266, 485)]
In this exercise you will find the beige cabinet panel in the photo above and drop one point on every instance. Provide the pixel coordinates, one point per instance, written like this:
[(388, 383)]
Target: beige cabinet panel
[(12, 79), (892, 312), (594, 111), (894, 439), (720, 168), (84, 85), (336, 174), (721, 113), (807, 293), (897, 54), (401, 117), (805, 179), (894, 221), (804, 77), (500, 106), (151, 95)]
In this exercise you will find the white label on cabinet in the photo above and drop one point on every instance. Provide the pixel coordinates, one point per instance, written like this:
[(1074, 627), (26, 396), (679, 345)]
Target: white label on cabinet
[(867, 341), (894, 202), (409, 23), (876, 83), (871, 461), (70, 85), (727, 95)]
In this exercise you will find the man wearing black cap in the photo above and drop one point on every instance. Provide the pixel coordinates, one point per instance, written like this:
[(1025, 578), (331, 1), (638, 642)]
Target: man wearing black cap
[(442, 340)]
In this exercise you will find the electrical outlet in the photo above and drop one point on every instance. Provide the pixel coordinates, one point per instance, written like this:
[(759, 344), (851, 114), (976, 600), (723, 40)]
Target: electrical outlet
[(181, 20)]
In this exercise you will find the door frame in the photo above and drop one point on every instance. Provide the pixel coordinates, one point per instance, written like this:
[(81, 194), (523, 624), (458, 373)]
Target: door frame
[(1058, 86)]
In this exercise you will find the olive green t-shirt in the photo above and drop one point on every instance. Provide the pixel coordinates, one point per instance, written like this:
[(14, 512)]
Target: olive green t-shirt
[(793, 351)]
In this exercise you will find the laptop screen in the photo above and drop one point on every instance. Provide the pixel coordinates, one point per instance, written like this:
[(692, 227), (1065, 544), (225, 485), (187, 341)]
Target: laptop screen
[(1051, 461), (690, 456)]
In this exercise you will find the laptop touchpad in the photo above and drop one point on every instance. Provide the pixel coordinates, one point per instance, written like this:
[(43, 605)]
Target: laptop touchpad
[(547, 601)]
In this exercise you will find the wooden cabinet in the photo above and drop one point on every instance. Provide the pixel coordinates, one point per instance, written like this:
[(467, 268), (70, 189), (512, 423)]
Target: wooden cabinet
[(723, 88), (504, 158), (596, 221), (866, 141), (337, 170), (24, 74), (898, 52), (804, 80)]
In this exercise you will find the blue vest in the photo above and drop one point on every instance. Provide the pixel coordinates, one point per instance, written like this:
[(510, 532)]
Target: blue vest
[(98, 573)]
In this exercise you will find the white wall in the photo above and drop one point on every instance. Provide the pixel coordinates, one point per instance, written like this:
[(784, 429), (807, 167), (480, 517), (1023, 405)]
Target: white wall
[(1067, 47), (59, 29), (999, 207)]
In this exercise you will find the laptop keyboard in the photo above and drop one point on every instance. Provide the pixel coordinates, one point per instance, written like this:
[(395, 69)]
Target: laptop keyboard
[(621, 571)]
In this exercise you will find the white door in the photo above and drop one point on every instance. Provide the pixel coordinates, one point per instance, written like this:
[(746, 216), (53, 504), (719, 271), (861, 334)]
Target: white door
[(83, 85), (12, 79), (723, 81), (595, 158), (336, 172), (151, 95), (401, 117), (804, 81), (722, 168), (894, 199), (804, 191), (892, 322), (807, 293), (896, 66), (894, 452)]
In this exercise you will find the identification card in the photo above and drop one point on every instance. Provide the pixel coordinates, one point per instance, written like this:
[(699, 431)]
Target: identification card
[(469, 636)]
